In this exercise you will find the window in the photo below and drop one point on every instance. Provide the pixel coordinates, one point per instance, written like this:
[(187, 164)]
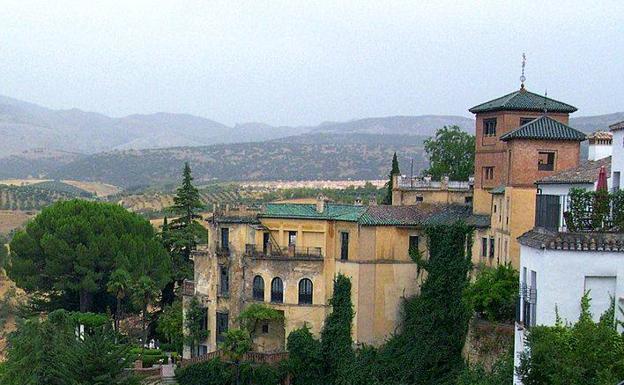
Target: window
[(266, 239), (494, 208), (305, 292), (344, 246), (492, 244), (489, 127), (488, 173), (224, 281), (616, 181), (265, 328), (413, 243), (277, 290), (484, 245), (225, 238), (468, 200), (524, 121), (222, 325), (203, 323), (419, 199), (546, 161), (258, 288), (292, 238)]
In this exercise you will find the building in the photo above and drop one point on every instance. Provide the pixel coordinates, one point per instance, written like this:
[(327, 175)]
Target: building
[(617, 166), (287, 256), (521, 137), (411, 190), (600, 145)]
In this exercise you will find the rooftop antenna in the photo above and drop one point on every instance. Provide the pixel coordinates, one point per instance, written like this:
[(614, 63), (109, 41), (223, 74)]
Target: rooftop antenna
[(545, 98), (522, 77), (412, 173)]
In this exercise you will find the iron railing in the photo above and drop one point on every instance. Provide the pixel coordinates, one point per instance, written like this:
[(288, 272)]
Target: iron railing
[(267, 251)]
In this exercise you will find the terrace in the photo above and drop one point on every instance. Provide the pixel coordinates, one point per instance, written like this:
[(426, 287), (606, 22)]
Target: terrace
[(291, 252)]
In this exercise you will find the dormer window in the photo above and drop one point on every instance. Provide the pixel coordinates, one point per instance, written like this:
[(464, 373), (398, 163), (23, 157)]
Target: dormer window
[(524, 121), (546, 161), (489, 127)]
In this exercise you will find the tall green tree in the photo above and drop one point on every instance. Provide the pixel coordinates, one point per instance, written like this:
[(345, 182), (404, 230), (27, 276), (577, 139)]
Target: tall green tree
[(305, 358), (336, 342), (144, 292), (394, 171), (184, 232), (451, 153), (64, 257), (171, 325), (194, 325), (119, 285)]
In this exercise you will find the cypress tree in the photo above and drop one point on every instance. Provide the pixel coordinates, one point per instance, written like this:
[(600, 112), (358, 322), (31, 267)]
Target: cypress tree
[(394, 171), (336, 342)]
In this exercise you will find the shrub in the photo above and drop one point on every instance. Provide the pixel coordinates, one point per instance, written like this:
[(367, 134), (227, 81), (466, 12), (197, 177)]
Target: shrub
[(305, 360), (501, 374), (213, 372), (493, 294)]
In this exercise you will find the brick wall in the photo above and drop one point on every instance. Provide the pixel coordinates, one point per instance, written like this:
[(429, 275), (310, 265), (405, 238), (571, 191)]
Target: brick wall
[(523, 168)]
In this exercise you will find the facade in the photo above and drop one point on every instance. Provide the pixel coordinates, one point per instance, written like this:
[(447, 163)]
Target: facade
[(600, 145), (557, 269), (409, 191), (617, 166), (287, 256), (520, 138)]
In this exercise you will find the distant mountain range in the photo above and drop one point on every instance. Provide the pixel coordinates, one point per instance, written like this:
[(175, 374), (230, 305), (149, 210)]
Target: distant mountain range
[(144, 149)]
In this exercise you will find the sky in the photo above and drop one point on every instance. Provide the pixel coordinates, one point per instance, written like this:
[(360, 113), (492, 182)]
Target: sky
[(304, 62)]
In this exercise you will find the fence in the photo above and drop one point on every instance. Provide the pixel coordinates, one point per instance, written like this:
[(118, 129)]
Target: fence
[(254, 357)]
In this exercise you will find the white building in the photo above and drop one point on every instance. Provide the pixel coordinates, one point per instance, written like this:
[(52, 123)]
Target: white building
[(557, 268), (617, 166), (599, 145)]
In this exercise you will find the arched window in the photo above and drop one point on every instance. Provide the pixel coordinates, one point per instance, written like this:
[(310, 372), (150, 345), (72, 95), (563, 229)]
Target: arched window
[(277, 290), (305, 291), (258, 288)]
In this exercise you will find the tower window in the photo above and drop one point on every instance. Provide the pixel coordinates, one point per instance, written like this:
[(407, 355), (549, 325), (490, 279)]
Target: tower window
[(546, 161), (489, 127), (524, 121), (488, 173), (344, 246)]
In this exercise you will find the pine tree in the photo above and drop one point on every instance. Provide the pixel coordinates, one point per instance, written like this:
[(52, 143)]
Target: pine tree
[(395, 171), (184, 232)]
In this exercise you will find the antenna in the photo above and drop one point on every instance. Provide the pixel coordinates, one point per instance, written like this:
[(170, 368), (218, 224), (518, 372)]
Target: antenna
[(545, 98), (522, 77), (412, 173)]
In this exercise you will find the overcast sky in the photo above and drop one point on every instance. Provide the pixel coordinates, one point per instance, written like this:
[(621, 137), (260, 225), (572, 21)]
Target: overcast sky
[(295, 62)]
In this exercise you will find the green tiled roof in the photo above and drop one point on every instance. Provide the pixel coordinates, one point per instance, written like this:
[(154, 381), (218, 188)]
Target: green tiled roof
[(544, 128), (498, 190), (332, 211), (421, 214), (523, 100)]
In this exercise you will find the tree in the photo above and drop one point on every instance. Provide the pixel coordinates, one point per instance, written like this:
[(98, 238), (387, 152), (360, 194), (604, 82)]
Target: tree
[(194, 323), (394, 171), (184, 232), (586, 352), (336, 342), (451, 153), (49, 352), (255, 313), (493, 293), (170, 325), (118, 285), (305, 359), (144, 290), (64, 258), (236, 342)]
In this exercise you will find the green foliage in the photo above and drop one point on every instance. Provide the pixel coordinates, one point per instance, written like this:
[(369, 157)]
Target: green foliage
[(428, 349), (216, 372), (195, 315), (493, 294), (394, 171), (305, 359), (48, 352), (4, 257), (451, 153), (336, 342), (618, 209), (501, 374), (236, 342), (170, 325), (66, 255), (587, 352), (257, 312), (595, 210)]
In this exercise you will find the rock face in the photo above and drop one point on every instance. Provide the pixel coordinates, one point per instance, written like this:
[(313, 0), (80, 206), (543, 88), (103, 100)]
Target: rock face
[(10, 298), (487, 341)]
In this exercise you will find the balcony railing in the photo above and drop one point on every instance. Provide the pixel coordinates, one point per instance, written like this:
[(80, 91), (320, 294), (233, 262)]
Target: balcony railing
[(291, 251), (427, 183), (223, 250), (188, 287), (567, 213)]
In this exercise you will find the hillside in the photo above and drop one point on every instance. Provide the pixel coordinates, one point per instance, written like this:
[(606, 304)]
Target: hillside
[(596, 122), (243, 161), (398, 125)]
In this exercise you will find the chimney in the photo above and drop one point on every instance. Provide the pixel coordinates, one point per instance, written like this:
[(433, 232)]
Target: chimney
[(321, 200), (372, 200), (599, 145), (358, 201), (444, 183)]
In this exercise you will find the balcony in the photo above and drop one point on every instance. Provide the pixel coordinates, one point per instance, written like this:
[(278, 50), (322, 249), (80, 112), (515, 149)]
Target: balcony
[(287, 253), (223, 250), (579, 212), (188, 288), (525, 306)]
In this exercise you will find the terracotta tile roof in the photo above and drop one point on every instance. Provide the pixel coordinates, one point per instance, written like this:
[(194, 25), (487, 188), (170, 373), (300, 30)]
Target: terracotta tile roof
[(544, 128), (523, 100), (586, 172), (600, 135), (617, 126), (540, 238)]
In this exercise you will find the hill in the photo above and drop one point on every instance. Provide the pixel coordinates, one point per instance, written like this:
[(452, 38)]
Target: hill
[(597, 122), (397, 125), (272, 160)]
